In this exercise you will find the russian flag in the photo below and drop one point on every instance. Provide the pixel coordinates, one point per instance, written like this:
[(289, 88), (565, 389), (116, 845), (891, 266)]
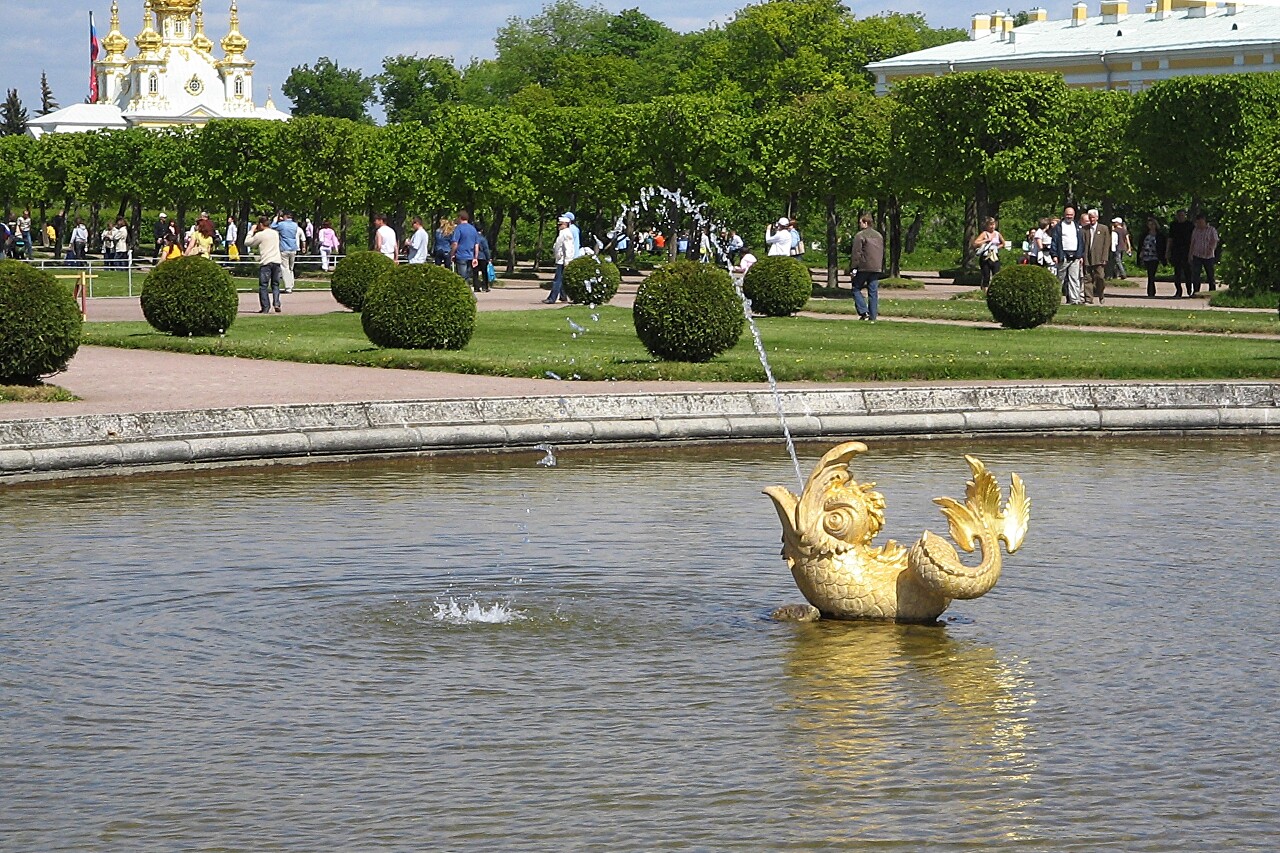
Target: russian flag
[(94, 50)]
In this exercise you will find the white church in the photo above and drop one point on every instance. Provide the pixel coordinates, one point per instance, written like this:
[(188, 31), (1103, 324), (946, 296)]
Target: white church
[(173, 80)]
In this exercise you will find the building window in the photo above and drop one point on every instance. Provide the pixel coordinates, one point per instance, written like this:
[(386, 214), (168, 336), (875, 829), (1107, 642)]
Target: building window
[(195, 85), (239, 87), (153, 84), (180, 29)]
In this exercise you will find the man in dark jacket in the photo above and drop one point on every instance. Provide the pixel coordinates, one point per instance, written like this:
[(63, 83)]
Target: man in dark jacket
[(868, 265), (1067, 248), (1180, 230)]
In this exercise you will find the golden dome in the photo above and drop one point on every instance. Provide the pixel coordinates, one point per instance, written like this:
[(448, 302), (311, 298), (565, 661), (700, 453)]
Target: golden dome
[(115, 44), (201, 41), (179, 6), (235, 44), (148, 40)]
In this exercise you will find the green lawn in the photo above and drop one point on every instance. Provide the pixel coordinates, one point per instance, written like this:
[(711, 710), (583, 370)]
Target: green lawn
[(1161, 319), (536, 343)]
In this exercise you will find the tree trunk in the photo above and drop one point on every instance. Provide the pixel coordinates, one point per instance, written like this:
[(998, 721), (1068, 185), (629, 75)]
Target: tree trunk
[(242, 232), (913, 233), (369, 238), (895, 237), (180, 214), (631, 238), (537, 246), (673, 238), (44, 237), (95, 220), (65, 227), (397, 224), (833, 243), (511, 240), (135, 223), (494, 229)]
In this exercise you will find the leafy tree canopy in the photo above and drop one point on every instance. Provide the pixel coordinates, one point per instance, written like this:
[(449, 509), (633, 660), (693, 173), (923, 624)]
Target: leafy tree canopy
[(415, 88), (325, 89)]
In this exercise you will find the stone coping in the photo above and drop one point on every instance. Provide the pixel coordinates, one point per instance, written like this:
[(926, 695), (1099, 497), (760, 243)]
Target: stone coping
[(97, 444)]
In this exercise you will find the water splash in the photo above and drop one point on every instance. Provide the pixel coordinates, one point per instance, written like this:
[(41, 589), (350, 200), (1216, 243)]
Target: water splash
[(548, 461), (768, 374), (709, 226), (454, 612)]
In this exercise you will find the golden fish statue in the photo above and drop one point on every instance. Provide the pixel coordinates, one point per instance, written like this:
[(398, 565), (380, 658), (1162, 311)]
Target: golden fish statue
[(827, 533)]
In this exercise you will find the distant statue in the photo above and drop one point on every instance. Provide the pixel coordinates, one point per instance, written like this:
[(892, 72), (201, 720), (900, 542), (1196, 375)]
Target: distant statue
[(827, 533)]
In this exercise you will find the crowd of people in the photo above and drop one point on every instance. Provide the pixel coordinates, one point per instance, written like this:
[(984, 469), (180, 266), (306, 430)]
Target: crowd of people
[(1085, 252), (456, 242)]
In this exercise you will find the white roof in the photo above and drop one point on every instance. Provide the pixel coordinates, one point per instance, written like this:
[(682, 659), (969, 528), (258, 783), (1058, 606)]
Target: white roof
[(1047, 42), (83, 118), (77, 118)]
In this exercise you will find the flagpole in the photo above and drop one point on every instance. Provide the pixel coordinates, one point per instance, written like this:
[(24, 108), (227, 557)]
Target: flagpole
[(93, 61)]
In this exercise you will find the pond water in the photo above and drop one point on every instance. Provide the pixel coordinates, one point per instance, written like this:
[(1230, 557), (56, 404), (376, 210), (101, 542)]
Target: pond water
[(487, 654)]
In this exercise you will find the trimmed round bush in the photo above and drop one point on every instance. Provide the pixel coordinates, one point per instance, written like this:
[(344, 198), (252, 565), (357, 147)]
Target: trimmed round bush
[(353, 275), (688, 311), (777, 286), (591, 280), (190, 297), (40, 323), (1023, 296), (419, 306)]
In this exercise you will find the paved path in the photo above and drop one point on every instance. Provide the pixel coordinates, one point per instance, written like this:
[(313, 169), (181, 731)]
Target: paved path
[(112, 380)]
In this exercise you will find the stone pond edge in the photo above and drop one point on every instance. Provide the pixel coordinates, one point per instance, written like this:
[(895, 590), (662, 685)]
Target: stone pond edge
[(84, 445)]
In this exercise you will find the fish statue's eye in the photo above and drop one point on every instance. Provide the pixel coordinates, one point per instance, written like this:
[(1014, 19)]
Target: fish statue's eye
[(840, 521)]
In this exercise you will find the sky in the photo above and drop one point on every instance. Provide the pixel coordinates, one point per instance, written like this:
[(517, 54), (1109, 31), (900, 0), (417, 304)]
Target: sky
[(53, 35)]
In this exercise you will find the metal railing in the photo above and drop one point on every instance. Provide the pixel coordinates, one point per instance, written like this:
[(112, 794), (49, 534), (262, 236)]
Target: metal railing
[(94, 269)]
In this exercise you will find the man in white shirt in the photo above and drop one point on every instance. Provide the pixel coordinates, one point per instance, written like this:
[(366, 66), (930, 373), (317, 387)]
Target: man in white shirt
[(779, 240), (419, 243), (385, 239), (1068, 255)]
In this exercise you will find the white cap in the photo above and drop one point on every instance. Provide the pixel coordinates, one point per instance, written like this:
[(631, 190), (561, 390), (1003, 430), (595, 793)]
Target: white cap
[(1118, 219), (783, 222), (565, 219)]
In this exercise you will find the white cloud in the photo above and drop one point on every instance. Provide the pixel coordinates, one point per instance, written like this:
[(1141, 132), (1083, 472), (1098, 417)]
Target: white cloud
[(54, 36)]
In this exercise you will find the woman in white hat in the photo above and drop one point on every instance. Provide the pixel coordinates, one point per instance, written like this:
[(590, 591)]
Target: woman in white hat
[(778, 237)]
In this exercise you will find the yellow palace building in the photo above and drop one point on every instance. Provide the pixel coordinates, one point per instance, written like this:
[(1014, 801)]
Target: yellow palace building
[(1126, 46), (174, 78)]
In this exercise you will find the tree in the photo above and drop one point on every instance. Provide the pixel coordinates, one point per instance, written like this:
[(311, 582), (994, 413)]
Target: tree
[(491, 164), (416, 88), (325, 89), (323, 178), (781, 49), (983, 135), (529, 49), (1252, 259), (631, 33), (1188, 131), (47, 102), (834, 146), (1106, 168), (13, 115)]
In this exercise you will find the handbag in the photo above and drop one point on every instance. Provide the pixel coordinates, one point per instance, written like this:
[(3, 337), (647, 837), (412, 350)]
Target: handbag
[(491, 273)]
